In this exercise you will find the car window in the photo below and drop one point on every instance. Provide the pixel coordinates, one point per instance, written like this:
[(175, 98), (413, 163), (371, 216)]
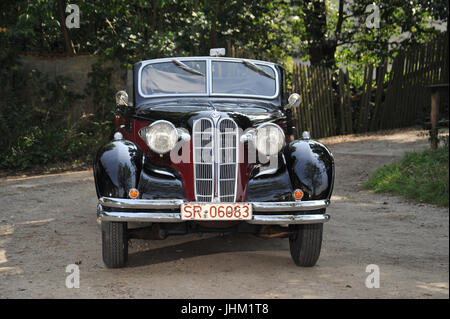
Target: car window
[(173, 78), (236, 78)]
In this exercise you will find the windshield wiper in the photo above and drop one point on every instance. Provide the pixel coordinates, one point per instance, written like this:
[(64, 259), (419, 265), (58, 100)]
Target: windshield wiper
[(254, 67), (183, 66)]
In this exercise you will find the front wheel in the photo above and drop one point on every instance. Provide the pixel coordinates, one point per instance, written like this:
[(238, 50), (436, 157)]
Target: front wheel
[(305, 245), (114, 244)]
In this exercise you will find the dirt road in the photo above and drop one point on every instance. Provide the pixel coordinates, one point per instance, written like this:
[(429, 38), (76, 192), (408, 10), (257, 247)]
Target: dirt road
[(48, 222)]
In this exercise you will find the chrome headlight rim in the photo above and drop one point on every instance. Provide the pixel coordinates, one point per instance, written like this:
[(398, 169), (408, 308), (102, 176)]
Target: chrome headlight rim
[(280, 146), (143, 134)]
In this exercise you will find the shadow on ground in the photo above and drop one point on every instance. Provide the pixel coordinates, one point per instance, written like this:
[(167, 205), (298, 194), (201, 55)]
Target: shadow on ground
[(205, 246)]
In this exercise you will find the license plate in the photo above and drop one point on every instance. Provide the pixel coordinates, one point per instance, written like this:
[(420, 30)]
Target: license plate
[(222, 211)]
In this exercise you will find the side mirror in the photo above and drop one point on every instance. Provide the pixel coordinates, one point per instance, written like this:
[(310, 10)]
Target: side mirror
[(293, 101), (122, 98)]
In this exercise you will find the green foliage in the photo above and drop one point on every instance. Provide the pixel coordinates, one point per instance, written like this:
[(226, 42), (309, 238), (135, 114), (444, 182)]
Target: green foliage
[(335, 33), (422, 177), (36, 122), (144, 29), (402, 24), (35, 119), (100, 90), (141, 29)]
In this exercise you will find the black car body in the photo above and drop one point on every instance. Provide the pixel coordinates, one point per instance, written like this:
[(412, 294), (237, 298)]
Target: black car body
[(207, 145)]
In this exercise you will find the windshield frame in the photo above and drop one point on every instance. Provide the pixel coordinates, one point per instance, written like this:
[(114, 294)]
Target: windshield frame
[(209, 88)]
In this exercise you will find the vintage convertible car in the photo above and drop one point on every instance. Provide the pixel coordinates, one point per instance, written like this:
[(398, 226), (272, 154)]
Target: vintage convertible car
[(207, 145)]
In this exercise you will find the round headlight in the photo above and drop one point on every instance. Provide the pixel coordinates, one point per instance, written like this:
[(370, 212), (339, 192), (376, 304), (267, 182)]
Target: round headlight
[(269, 139), (161, 136)]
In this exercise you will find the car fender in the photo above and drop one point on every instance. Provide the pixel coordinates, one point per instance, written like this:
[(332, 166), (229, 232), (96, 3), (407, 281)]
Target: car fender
[(311, 168), (117, 168)]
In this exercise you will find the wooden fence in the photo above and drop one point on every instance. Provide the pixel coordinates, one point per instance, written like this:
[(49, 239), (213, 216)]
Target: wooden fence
[(388, 99), (408, 97), (316, 112)]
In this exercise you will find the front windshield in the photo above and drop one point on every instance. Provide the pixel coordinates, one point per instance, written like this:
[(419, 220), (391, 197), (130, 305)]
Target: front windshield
[(187, 77), (178, 76), (237, 78)]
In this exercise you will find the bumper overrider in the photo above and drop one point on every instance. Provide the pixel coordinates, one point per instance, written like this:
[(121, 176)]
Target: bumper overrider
[(168, 211)]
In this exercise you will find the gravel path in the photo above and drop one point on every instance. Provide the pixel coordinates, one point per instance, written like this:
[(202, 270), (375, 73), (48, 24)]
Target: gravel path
[(48, 222)]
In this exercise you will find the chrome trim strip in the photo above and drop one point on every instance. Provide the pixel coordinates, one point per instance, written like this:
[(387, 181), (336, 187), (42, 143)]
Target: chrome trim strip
[(140, 203), (176, 218), (175, 204), (209, 77), (209, 89), (290, 206), (289, 219), (140, 217), (161, 172)]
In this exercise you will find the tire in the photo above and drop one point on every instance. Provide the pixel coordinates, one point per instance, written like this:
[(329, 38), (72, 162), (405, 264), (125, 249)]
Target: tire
[(305, 245), (114, 244)]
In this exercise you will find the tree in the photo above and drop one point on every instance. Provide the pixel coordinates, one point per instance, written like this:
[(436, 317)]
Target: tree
[(61, 18), (342, 30), (131, 30)]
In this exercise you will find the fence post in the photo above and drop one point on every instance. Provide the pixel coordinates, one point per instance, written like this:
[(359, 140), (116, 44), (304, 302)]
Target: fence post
[(434, 118), (348, 108), (330, 99), (343, 127), (381, 71), (365, 98)]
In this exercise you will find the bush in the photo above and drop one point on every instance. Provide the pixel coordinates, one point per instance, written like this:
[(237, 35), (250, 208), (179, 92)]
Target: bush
[(35, 120)]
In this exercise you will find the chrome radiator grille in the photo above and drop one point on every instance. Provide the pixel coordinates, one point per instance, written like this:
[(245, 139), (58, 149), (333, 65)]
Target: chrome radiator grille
[(203, 156), (215, 155), (227, 159)]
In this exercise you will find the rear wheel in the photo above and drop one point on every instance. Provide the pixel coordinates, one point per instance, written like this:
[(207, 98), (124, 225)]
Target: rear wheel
[(114, 244), (305, 245)]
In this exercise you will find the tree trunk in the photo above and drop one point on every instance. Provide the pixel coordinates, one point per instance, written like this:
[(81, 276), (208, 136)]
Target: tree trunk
[(321, 50), (62, 21), (213, 33), (195, 28)]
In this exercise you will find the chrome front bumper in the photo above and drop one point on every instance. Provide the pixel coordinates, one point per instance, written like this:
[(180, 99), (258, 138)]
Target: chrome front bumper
[(115, 205)]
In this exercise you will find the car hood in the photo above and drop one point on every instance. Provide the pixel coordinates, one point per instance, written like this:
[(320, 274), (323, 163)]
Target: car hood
[(181, 113)]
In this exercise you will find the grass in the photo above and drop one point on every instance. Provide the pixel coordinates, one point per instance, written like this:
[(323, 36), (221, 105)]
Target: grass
[(422, 177)]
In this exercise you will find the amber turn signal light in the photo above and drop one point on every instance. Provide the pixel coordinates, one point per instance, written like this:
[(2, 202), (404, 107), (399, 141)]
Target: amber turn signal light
[(298, 194), (133, 193)]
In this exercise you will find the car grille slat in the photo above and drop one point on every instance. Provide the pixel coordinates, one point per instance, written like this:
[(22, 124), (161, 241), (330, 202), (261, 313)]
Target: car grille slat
[(227, 161), (215, 155), (203, 157)]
